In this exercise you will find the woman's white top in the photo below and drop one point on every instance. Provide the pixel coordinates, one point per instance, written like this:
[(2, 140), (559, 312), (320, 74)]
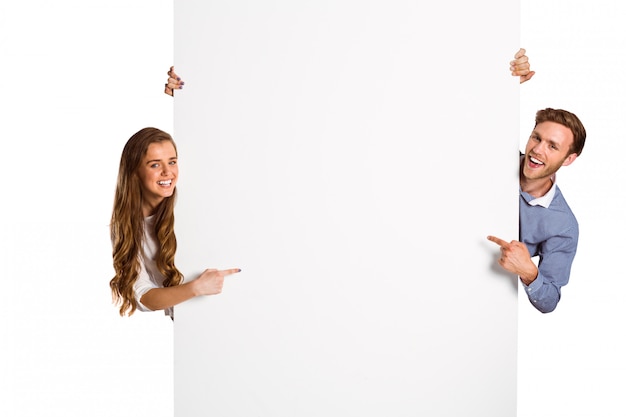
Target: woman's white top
[(149, 275)]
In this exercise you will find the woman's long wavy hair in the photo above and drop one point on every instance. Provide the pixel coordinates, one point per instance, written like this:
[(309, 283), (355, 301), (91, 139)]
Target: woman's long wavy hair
[(127, 224)]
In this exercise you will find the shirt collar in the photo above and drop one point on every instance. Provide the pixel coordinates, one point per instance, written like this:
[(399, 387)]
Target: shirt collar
[(546, 199)]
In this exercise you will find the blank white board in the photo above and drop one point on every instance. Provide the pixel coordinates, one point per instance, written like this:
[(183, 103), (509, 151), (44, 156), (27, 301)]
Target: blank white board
[(351, 157)]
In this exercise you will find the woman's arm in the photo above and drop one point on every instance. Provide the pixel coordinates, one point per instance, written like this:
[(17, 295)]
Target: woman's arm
[(210, 282), (173, 82)]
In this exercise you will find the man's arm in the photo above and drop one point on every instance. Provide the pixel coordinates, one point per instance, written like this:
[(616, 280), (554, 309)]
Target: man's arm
[(520, 66), (556, 256), (515, 258), (543, 283)]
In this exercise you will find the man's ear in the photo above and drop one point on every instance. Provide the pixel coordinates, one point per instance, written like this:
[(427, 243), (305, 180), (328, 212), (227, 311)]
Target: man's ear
[(570, 158)]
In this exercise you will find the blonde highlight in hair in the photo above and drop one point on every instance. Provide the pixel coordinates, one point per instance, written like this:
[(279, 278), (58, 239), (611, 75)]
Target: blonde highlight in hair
[(127, 224)]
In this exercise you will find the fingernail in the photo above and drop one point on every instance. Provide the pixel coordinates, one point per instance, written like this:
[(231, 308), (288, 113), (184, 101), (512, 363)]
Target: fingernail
[(177, 78)]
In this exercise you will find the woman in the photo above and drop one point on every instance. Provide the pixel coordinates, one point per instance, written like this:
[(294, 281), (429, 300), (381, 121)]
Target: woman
[(142, 230), (173, 82)]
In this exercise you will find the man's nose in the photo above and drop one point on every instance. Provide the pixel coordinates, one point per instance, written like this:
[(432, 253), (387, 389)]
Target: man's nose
[(539, 148)]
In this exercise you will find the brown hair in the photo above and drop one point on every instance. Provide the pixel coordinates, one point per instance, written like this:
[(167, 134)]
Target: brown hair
[(567, 119), (127, 224)]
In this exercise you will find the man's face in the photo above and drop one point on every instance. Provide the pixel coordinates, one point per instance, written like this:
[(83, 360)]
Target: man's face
[(548, 149)]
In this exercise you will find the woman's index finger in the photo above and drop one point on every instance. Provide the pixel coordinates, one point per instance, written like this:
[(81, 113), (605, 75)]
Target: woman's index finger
[(230, 271)]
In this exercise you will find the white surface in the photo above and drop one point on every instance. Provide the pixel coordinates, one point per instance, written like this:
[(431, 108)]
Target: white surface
[(351, 158)]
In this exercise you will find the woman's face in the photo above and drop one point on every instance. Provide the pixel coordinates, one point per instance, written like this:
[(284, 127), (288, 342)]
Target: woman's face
[(158, 173)]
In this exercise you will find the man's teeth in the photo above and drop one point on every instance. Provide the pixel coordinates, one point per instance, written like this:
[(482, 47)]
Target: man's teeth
[(535, 161), (168, 182)]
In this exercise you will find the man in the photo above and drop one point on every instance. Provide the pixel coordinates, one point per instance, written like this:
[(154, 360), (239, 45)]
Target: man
[(548, 228)]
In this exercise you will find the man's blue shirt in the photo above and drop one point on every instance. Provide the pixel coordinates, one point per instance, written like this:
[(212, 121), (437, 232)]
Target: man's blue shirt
[(549, 231)]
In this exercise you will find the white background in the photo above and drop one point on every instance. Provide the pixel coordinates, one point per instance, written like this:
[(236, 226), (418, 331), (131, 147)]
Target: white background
[(571, 362), (79, 78)]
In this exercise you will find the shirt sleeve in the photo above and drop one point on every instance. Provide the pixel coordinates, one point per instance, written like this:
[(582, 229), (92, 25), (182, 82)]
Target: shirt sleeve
[(555, 263), (142, 285)]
